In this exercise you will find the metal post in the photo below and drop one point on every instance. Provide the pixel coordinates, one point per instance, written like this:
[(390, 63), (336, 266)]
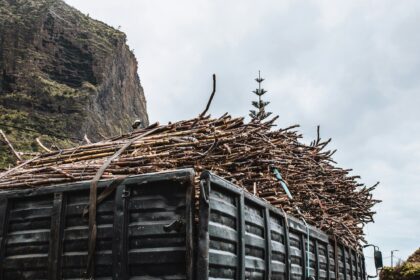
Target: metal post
[(392, 257)]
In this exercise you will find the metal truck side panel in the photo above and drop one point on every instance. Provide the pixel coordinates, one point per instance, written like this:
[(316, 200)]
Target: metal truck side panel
[(144, 230), (244, 237)]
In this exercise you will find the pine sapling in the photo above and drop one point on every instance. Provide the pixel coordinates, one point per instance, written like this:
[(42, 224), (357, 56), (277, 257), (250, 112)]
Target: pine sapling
[(259, 114)]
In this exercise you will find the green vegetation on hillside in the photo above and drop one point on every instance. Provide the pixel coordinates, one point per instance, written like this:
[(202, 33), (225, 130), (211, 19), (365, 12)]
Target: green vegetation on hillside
[(409, 270)]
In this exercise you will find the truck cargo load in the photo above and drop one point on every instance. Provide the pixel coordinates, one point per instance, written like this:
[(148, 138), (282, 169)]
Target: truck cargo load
[(266, 171)]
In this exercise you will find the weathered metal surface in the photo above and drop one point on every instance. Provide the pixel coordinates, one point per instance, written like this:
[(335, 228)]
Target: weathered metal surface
[(145, 231), (43, 234), (244, 237)]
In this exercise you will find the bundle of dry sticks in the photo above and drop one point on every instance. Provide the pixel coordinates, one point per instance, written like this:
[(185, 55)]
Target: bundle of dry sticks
[(244, 153)]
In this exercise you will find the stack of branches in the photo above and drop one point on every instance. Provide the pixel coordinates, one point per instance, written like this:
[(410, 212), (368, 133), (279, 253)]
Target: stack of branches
[(244, 153)]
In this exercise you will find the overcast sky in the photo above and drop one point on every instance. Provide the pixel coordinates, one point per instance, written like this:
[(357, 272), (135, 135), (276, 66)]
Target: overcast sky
[(352, 67)]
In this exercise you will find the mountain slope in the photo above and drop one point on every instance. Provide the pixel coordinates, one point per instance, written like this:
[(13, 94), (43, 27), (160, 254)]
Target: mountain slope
[(64, 74)]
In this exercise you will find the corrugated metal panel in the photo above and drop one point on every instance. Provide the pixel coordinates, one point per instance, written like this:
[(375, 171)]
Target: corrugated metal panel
[(347, 264), (155, 250), (75, 236), (144, 230), (322, 252), (244, 237), (332, 254), (360, 264), (27, 236), (279, 249)]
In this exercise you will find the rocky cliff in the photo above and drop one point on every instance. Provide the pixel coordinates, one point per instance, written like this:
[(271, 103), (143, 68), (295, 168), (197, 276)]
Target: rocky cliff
[(63, 75)]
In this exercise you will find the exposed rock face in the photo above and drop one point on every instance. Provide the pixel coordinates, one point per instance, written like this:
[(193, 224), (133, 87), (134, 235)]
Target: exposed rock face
[(65, 74)]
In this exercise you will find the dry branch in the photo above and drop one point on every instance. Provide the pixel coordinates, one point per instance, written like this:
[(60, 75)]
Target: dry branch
[(38, 141), (10, 145), (244, 153)]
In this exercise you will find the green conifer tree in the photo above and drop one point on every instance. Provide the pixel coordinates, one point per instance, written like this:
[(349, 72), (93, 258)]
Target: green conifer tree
[(259, 114)]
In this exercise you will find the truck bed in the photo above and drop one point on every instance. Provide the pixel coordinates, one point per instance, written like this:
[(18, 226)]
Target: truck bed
[(146, 230)]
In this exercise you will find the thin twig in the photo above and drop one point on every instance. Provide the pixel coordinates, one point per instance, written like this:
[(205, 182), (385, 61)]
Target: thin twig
[(211, 97), (10, 145), (208, 103), (87, 139), (42, 145)]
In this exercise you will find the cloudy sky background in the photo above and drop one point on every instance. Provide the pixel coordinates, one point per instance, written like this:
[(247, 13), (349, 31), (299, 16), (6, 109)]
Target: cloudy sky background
[(352, 67)]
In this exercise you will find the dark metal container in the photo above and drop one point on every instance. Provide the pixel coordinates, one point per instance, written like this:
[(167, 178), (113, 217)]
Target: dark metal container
[(244, 237), (146, 231)]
